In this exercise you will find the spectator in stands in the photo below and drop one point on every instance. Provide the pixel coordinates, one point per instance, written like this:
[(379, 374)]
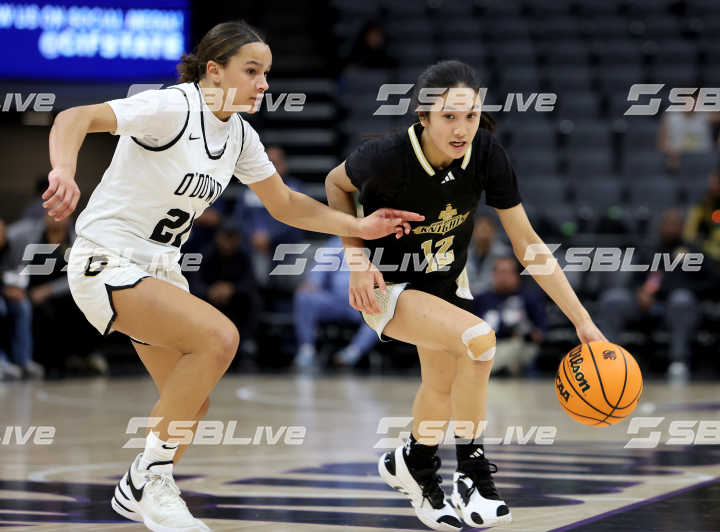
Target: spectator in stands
[(54, 310), (44, 307), (655, 296), (370, 48), (517, 314), (687, 131), (323, 297), (226, 281), (261, 230), (703, 223), (486, 248), (8, 370)]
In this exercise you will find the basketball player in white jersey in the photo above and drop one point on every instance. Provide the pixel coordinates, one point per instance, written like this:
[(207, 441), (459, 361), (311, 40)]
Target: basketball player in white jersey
[(178, 150)]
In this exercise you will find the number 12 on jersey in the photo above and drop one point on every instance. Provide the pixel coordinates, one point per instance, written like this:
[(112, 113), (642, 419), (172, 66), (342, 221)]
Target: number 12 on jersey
[(442, 258), (177, 218)]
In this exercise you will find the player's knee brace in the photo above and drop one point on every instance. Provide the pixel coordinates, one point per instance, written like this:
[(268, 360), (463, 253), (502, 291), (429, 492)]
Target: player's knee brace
[(479, 341)]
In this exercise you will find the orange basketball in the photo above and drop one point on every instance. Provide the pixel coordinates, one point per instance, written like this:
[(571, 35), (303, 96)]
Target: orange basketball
[(598, 383)]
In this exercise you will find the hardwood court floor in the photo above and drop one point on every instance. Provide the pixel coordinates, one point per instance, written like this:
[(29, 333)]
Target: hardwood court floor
[(586, 480)]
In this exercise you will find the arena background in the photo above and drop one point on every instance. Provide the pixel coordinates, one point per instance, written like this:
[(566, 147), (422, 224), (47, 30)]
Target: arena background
[(589, 174)]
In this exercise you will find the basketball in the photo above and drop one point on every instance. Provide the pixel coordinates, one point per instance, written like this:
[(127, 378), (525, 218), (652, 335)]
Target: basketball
[(598, 383)]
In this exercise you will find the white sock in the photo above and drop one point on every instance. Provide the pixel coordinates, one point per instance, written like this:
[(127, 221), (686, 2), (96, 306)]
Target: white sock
[(158, 455)]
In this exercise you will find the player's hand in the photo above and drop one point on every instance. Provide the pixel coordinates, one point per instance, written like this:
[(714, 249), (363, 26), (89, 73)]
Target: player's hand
[(588, 332), (385, 222), (62, 194), (364, 276)]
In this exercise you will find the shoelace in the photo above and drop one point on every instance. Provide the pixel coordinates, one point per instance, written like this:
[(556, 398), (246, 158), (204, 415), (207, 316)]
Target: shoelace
[(430, 482), (479, 470), (164, 485)]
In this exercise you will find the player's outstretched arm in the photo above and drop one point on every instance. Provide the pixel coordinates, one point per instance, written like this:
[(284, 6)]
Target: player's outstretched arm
[(66, 136), (535, 256), (299, 210)]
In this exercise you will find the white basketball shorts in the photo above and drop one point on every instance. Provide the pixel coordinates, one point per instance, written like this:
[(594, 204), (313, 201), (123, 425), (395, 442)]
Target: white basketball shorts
[(95, 272)]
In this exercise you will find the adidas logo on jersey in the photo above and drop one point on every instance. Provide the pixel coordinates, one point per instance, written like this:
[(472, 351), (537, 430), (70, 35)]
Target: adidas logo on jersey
[(477, 454), (448, 177)]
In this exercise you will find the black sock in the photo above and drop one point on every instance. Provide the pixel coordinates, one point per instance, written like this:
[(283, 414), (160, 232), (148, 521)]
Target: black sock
[(417, 455), (467, 449)]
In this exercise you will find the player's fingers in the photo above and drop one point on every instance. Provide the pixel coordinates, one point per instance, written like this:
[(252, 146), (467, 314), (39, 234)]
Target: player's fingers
[(358, 300), (406, 226), (65, 198), (75, 200), (54, 203), (70, 207), (371, 300), (406, 215), (52, 187), (381, 283), (398, 233), (54, 198), (352, 300)]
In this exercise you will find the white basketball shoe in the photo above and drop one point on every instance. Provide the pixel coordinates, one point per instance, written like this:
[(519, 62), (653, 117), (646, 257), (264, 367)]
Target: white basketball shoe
[(150, 496), (475, 496)]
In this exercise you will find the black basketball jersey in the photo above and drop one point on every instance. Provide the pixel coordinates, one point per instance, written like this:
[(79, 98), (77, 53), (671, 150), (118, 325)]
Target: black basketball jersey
[(392, 171)]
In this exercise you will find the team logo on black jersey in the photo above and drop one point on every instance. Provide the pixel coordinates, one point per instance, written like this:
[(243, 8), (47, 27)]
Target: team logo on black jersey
[(448, 219)]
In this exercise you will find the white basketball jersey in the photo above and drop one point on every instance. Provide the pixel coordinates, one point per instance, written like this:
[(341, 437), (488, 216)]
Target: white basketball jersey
[(149, 196)]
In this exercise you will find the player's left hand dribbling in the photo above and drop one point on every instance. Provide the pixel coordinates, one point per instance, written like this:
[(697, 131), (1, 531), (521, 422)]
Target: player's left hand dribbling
[(385, 222), (62, 194)]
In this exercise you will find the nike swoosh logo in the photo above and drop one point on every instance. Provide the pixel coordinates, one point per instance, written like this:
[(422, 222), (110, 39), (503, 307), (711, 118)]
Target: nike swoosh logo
[(137, 493), (193, 138), (170, 448)]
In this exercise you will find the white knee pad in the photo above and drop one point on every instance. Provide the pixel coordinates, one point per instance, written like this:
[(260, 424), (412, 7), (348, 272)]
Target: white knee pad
[(479, 341)]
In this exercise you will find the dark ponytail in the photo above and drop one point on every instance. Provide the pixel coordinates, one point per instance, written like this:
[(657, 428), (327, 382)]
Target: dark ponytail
[(447, 74), (219, 45)]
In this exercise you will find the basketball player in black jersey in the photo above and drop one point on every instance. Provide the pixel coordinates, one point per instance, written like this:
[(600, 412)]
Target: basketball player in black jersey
[(440, 168)]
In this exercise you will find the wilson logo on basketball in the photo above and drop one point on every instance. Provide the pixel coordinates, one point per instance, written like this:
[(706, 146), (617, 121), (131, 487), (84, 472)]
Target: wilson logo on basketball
[(609, 355), (576, 361)]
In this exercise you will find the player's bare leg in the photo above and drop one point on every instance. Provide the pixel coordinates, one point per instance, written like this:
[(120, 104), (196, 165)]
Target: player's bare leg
[(468, 344), (163, 315), (433, 401), (160, 361), (167, 317)]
